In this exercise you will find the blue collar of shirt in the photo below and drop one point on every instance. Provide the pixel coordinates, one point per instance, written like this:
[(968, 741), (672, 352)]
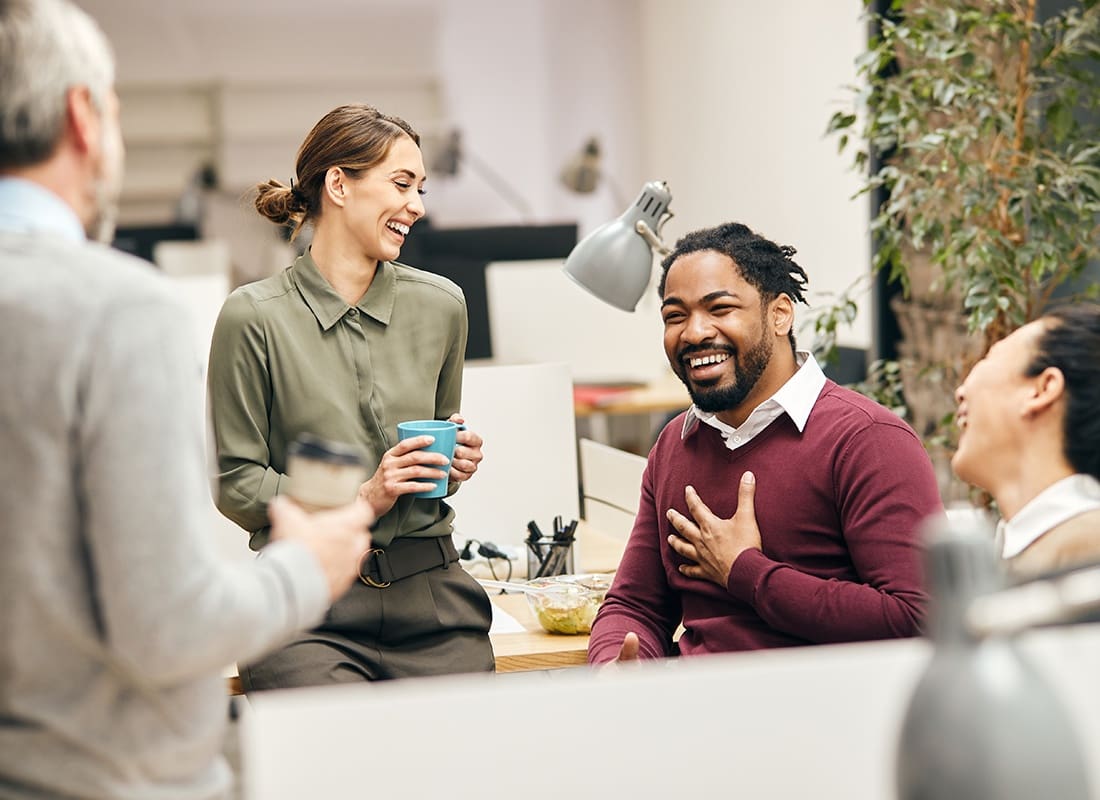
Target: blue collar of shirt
[(796, 397), (27, 207)]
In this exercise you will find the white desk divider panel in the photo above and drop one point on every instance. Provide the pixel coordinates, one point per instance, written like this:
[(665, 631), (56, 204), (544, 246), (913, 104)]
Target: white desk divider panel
[(199, 257), (230, 540), (537, 314), (202, 296), (809, 722), (612, 480), (525, 415)]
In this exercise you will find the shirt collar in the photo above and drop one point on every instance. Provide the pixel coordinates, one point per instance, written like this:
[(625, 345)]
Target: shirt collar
[(329, 307), (1051, 507), (27, 207), (796, 397)]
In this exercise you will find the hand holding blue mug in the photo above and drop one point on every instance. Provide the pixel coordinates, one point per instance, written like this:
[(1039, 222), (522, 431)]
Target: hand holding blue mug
[(444, 438), (405, 467), (467, 452)]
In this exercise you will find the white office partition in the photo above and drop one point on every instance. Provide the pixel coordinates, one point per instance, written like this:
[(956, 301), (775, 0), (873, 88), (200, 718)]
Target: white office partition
[(537, 314), (525, 415), (203, 297), (612, 481), (808, 722), (199, 257)]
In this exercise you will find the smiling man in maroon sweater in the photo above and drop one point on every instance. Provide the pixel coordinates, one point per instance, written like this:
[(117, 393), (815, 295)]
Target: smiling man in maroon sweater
[(780, 509)]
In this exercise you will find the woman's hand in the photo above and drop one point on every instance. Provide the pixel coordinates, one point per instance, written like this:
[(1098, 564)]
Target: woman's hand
[(467, 452), (399, 470)]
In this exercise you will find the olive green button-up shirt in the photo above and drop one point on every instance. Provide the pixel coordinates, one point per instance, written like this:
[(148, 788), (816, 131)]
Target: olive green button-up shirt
[(289, 356)]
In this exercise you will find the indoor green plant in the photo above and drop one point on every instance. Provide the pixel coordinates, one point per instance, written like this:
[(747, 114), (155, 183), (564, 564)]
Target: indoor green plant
[(977, 124)]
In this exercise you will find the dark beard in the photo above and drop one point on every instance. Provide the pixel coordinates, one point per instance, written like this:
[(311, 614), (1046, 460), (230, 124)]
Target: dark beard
[(712, 400)]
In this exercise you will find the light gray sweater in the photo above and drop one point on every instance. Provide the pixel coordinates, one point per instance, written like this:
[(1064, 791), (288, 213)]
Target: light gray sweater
[(116, 614)]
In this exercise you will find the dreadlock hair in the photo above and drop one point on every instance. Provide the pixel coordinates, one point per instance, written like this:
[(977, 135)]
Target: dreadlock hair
[(1071, 343), (766, 266)]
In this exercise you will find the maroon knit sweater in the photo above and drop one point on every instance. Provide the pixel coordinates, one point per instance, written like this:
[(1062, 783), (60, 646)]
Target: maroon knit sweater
[(838, 506)]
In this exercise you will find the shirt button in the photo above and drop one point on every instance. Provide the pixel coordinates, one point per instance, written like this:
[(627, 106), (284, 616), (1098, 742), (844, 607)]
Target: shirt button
[(353, 312), (737, 440)]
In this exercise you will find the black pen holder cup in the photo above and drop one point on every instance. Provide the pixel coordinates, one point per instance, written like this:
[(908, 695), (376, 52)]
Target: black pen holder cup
[(547, 557)]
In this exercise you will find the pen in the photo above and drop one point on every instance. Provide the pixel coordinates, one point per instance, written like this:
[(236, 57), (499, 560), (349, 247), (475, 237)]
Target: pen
[(534, 535), (559, 549)]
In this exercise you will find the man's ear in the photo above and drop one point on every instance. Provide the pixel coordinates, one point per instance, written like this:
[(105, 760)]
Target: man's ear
[(336, 186), (83, 120), (781, 315), (1047, 388)]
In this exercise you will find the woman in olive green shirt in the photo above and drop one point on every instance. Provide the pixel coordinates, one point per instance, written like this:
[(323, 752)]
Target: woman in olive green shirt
[(345, 344)]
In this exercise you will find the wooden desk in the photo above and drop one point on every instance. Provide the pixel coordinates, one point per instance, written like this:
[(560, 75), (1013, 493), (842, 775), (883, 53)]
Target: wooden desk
[(536, 649)]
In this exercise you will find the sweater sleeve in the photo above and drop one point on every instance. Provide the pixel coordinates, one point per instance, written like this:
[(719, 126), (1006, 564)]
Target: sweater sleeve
[(885, 488), (239, 389), (640, 599), (167, 606)]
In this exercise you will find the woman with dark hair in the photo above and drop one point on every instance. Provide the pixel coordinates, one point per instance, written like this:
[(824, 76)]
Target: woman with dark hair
[(1029, 414), (345, 344)]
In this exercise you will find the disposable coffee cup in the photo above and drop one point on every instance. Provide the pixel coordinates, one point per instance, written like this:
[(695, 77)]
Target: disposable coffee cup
[(323, 474), (445, 434)]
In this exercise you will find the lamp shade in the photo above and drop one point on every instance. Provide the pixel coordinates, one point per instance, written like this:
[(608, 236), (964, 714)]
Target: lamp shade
[(615, 261)]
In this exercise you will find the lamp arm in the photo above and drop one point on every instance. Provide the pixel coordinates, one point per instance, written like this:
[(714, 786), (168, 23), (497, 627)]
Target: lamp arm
[(652, 239), (1068, 598)]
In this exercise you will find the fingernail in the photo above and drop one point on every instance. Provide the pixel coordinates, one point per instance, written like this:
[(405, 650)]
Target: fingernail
[(748, 477)]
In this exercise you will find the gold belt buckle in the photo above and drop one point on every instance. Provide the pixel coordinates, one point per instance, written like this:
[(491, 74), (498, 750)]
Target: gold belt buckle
[(366, 578)]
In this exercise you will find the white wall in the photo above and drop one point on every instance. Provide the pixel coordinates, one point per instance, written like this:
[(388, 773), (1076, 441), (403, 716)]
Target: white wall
[(725, 99), (166, 41), (527, 81), (741, 94)]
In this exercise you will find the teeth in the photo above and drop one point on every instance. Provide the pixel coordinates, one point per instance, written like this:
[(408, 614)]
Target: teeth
[(397, 226), (716, 359)]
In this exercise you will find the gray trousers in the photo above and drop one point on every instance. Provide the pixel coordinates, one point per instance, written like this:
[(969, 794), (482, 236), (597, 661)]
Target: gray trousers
[(432, 623)]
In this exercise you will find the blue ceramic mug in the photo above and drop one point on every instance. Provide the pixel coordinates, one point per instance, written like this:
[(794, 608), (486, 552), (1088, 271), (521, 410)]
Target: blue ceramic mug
[(445, 434)]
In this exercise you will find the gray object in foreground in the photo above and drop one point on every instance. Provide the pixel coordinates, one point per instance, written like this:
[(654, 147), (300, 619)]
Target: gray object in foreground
[(982, 723)]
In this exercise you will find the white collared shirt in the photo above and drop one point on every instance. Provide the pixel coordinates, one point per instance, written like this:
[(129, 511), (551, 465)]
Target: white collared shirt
[(796, 397), (1051, 507), (26, 207)]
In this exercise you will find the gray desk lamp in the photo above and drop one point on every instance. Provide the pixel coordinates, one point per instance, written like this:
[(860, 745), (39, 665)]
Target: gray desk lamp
[(982, 723), (615, 261)]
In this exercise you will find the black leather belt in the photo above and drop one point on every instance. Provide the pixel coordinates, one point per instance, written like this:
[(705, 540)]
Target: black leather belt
[(381, 566)]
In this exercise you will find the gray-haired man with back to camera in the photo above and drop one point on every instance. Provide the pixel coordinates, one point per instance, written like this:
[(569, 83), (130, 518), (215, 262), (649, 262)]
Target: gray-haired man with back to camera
[(116, 615)]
